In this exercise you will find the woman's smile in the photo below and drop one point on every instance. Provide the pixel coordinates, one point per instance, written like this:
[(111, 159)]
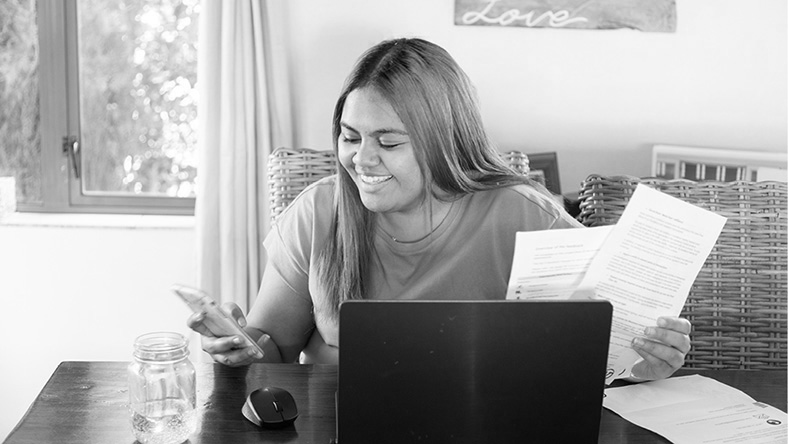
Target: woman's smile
[(373, 180)]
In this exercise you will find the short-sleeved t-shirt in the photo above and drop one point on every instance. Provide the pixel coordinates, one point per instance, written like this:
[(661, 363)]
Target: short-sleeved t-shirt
[(468, 256)]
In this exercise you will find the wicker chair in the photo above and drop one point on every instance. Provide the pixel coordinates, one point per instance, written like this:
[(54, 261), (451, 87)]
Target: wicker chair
[(737, 304), (292, 170)]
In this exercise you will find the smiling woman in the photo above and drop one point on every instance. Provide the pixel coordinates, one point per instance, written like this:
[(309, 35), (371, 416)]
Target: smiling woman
[(423, 208)]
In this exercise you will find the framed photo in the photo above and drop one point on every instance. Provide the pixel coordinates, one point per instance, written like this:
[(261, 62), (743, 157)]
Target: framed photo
[(544, 169)]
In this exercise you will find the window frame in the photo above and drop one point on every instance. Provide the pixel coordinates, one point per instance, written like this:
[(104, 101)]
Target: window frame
[(61, 190)]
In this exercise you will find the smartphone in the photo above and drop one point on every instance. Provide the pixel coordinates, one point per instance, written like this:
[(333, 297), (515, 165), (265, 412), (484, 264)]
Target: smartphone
[(216, 320)]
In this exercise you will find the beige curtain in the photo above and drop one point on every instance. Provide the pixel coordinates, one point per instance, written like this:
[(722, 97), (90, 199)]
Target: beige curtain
[(243, 116)]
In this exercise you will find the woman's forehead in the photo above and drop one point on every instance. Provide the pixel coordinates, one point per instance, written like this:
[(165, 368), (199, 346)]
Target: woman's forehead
[(366, 110)]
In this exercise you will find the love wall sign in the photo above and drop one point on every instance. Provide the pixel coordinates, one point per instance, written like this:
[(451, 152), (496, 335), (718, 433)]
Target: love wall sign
[(642, 15)]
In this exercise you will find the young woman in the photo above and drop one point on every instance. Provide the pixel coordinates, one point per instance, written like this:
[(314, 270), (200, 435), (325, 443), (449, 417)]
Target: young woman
[(422, 207)]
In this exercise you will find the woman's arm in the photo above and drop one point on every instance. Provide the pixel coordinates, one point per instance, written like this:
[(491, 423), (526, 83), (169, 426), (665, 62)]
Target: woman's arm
[(282, 314), (280, 321)]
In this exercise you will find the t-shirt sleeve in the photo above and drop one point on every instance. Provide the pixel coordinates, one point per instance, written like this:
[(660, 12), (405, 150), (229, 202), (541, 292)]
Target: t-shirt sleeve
[(287, 259), (297, 234)]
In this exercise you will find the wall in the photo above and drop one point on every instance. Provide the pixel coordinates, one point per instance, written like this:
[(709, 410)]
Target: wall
[(83, 292), (600, 99)]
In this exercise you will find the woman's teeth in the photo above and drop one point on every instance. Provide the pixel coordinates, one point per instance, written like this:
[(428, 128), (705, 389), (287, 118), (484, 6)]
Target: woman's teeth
[(373, 180)]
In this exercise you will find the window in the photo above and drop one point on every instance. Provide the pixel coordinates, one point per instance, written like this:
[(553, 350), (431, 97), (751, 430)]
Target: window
[(98, 104)]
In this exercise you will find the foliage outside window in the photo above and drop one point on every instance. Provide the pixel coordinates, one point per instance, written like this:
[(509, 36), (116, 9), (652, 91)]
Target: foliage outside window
[(130, 101), (20, 138)]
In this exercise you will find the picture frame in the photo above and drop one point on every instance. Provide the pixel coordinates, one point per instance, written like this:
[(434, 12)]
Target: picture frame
[(544, 169)]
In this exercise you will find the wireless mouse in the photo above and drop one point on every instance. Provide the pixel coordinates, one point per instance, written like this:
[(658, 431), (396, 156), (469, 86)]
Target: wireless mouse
[(270, 407)]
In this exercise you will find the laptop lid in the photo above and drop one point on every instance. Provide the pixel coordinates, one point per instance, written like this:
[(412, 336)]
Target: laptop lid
[(471, 371)]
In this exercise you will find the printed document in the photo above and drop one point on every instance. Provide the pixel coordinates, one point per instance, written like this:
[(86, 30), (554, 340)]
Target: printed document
[(644, 265), (696, 409), (551, 263)]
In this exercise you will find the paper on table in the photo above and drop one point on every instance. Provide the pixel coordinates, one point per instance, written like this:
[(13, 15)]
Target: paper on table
[(647, 265), (550, 264), (697, 409)]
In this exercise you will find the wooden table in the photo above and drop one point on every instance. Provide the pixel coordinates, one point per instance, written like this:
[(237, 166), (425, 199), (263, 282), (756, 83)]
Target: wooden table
[(86, 402)]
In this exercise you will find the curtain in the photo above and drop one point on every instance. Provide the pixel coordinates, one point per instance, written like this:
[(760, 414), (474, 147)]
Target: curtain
[(243, 115)]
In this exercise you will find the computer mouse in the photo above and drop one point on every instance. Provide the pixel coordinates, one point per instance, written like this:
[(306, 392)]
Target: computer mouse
[(270, 407)]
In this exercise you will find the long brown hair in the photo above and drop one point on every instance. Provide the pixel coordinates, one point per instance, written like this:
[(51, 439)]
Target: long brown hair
[(437, 104)]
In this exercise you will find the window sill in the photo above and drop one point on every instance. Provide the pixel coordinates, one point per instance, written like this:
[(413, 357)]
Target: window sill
[(114, 221)]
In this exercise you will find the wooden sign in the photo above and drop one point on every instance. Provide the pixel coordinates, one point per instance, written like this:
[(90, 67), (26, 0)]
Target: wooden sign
[(643, 15)]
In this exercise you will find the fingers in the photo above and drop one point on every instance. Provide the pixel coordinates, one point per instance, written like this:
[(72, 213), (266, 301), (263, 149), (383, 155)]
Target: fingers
[(671, 338), (670, 331), (650, 368), (229, 350), (240, 356), (214, 345), (663, 348), (677, 324), (232, 309), (195, 323), (236, 358), (658, 354)]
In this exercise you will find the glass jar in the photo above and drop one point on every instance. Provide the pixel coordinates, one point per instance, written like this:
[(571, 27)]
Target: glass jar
[(162, 391)]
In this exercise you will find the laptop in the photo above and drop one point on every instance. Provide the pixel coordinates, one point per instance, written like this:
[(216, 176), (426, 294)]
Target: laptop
[(471, 371)]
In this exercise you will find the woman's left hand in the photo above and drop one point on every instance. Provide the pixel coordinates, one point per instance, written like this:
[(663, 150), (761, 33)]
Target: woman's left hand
[(662, 348)]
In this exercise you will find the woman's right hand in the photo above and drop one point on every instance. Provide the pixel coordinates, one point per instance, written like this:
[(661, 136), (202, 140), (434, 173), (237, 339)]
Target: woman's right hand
[(228, 350)]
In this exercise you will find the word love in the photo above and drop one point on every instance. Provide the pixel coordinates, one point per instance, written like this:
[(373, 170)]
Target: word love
[(555, 19)]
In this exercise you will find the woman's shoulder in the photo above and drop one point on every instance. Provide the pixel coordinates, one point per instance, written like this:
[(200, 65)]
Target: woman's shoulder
[(528, 200), (314, 205), (319, 189), (526, 195), (319, 193)]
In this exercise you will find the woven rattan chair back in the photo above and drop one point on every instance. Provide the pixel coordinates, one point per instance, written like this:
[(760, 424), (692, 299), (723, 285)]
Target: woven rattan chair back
[(292, 170), (737, 304)]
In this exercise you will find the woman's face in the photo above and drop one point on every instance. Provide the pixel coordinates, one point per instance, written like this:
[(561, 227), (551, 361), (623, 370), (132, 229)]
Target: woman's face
[(375, 149)]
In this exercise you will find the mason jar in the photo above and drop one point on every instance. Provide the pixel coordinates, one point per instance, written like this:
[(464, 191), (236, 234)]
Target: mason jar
[(162, 391)]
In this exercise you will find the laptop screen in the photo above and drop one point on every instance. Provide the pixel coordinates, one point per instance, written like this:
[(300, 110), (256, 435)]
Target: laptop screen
[(471, 371)]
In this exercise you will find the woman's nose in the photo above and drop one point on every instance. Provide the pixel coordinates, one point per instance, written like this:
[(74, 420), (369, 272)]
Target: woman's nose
[(366, 154)]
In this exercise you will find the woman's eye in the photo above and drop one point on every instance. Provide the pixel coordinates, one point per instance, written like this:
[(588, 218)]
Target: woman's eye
[(349, 139), (389, 144)]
